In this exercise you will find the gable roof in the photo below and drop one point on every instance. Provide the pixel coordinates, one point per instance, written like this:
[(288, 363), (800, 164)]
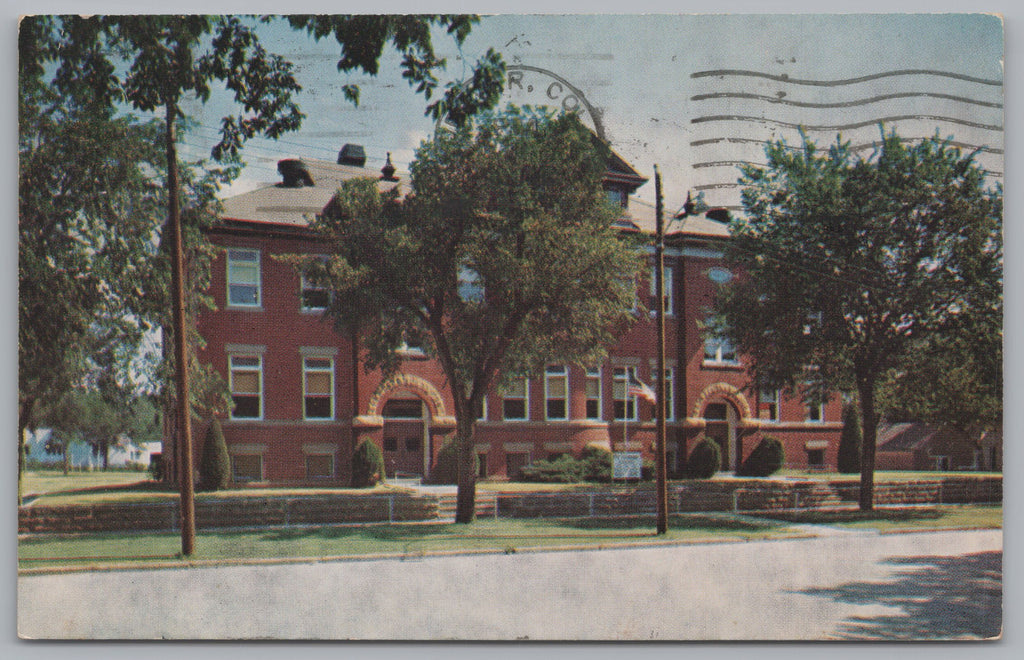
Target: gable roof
[(906, 436)]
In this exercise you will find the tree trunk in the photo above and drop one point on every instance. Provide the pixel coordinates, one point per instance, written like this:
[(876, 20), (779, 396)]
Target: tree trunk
[(869, 419), (465, 424), (24, 414)]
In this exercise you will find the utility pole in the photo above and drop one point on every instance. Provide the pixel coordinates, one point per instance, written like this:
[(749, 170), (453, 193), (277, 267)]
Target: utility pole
[(659, 278), (184, 425)]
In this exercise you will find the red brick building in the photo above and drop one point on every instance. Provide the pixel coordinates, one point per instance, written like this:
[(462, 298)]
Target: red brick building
[(303, 401)]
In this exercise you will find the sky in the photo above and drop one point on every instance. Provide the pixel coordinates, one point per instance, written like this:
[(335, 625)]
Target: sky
[(643, 81)]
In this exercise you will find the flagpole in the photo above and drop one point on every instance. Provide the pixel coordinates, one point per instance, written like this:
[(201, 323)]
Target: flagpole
[(661, 458)]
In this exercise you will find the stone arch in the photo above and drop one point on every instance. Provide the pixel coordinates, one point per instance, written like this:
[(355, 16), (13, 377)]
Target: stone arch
[(731, 394), (418, 386)]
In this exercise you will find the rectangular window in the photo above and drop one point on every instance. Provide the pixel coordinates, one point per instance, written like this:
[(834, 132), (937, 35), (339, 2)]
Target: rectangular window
[(768, 401), (515, 400), (816, 458), (593, 387), (313, 298), (482, 465), (815, 412), (247, 467), (481, 409), (624, 405), (556, 392), (669, 298), (243, 278), (719, 350), (246, 376), (319, 466), (318, 387)]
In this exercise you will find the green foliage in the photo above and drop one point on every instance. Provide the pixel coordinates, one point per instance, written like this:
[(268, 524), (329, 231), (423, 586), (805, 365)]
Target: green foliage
[(850, 441), (852, 262), (767, 458), (597, 464), (446, 467), (367, 465), (215, 463), (594, 465), (704, 461), (502, 258)]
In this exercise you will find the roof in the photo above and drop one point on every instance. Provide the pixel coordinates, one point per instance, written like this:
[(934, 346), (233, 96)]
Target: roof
[(278, 204), (906, 436)]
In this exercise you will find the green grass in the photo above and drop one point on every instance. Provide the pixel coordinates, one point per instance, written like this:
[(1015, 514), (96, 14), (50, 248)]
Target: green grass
[(408, 539), (38, 482), (905, 519)]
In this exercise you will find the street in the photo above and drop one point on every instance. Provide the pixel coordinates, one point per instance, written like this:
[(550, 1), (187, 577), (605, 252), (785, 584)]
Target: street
[(841, 585)]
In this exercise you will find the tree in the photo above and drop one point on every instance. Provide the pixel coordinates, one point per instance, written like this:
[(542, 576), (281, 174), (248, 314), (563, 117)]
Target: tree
[(851, 262), (502, 260), (167, 59), (215, 463), (848, 461)]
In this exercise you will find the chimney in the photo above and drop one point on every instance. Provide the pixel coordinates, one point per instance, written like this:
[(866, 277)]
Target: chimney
[(352, 154), (294, 172)]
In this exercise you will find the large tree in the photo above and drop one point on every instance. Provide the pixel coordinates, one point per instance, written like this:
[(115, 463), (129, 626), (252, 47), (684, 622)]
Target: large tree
[(502, 258), (851, 262)]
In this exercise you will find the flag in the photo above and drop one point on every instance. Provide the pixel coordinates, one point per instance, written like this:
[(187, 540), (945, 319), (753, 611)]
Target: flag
[(639, 389)]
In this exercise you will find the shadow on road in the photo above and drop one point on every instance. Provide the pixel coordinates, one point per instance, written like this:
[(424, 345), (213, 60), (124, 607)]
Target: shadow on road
[(937, 598)]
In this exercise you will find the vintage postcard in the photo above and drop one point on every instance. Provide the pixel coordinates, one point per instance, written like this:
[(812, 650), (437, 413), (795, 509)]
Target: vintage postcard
[(511, 327)]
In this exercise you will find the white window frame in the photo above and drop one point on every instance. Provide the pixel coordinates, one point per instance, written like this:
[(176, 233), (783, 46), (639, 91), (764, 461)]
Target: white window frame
[(593, 374), (550, 372), (233, 255), (526, 403), (306, 369), (820, 407), (258, 369), (234, 473), (669, 289), (304, 286), (483, 410), (716, 356), (624, 378)]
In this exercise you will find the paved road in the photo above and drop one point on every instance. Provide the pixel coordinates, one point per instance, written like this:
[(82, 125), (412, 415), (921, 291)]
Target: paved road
[(841, 585)]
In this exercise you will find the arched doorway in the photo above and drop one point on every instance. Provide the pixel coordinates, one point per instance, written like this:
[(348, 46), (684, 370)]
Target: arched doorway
[(722, 428)]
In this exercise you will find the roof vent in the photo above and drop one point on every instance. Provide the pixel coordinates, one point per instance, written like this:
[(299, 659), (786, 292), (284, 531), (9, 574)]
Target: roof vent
[(352, 154), (388, 171), (718, 215), (295, 173)]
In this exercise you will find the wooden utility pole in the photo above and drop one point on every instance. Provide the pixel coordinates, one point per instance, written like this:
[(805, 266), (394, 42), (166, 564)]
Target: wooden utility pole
[(184, 425), (659, 278)]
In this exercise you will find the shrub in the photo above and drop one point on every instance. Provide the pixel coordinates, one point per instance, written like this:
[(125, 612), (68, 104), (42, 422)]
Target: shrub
[(563, 469), (446, 467), (367, 465), (597, 464), (214, 464), (850, 441), (767, 458), (704, 460)]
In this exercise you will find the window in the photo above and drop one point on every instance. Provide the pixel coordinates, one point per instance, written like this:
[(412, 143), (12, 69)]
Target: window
[(481, 409), (616, 196), (313, 298), (815, 412), (670, 406), (514, 462), (718, 412), (668, 289), (247, 467), (816, 458), (768, 402), (246, 376), (243, 278), (623, 404), (515, 400), (482, 465), (556, 392), (318, 387), (718, 349), (319, 466), (593, 391), (403, 409)]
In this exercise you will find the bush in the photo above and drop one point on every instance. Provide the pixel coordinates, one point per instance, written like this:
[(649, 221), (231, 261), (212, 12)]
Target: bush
[(704, 460), (446, 467), (850, 441), (597, 464), (767, 458), (214, 464), (367, 465), (563, 469)]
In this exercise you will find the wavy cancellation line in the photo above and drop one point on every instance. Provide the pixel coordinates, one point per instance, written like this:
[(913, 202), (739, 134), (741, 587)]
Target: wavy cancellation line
[(859, 147), (781, 100), (843, 127), (848, 81)]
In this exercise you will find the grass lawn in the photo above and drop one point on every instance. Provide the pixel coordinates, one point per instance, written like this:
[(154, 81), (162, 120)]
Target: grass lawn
[(412, 539), (38, 482), (905, 519)]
